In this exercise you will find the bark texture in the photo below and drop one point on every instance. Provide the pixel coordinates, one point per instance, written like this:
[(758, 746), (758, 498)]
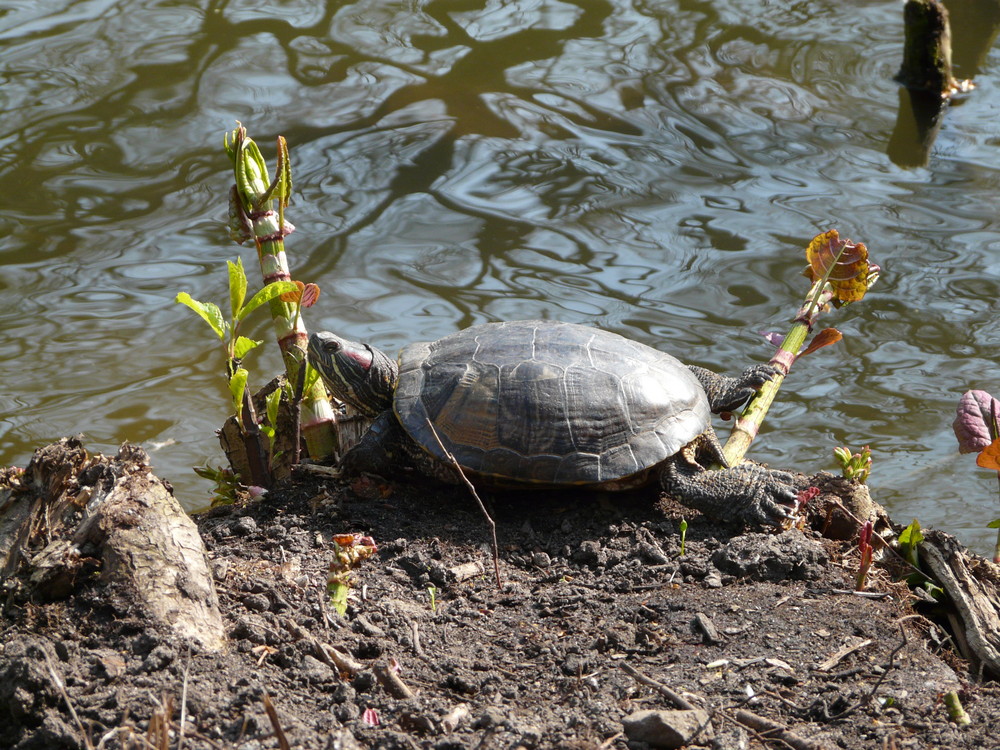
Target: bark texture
[(69, 516)]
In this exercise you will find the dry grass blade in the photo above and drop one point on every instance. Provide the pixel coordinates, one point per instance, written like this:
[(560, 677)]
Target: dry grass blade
[(272, 714), (72, 711)]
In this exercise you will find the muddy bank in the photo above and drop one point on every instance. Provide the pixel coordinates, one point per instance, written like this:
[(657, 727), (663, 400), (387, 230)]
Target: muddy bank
[(601, 627)]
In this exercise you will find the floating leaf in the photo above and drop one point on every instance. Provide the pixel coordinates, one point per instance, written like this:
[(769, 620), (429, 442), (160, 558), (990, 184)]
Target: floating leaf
[(209, 312), (842, 263), (974, 422), (989, 457), (824, 338)]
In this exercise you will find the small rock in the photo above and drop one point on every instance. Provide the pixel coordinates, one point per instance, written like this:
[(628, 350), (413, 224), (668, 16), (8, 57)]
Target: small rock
[(731, 739), (220, 569), (257, 602), (364, 682), (244, 526), (541, 560), (713, 580), (652, 554), (315, 671), (590, 553), (344, 693), (669, 729), (489, 717), (343, 740)]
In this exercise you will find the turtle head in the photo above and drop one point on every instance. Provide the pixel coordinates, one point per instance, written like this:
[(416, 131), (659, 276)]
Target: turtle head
[(356, 373)]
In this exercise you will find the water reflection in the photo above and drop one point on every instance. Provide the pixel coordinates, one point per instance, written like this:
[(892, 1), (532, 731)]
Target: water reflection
[(654, 168)]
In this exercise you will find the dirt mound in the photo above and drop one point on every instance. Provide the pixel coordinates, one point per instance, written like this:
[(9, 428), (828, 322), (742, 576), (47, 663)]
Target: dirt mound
[(600, 632)]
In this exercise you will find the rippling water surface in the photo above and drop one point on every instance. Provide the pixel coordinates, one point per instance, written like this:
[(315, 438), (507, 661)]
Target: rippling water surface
[(654, 168)]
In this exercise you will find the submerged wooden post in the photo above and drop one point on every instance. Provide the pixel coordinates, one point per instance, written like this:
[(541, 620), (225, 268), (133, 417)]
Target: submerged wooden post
[(927, 48)]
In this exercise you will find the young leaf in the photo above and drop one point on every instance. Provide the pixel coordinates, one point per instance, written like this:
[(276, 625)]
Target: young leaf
[(294, 296), (989, 457), (237, 385), (273, 401), (272, 290), (240, 226), (312, 375), (824, 338), (284, 176), (994, 524), (237, 285), (209, 312), (310, 295), (973, 423), (244, 345), (909, 539), (842, 263)]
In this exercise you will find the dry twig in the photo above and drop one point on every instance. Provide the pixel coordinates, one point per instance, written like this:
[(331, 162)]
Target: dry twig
[(486, 514), (770, 730), (674, 697)]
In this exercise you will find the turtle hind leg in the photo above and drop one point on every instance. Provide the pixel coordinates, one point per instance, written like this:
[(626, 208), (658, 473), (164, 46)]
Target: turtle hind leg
[(749, 494), (729, 394)]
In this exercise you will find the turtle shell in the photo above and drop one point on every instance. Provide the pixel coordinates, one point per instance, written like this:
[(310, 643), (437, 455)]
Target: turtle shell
[(548, 403)]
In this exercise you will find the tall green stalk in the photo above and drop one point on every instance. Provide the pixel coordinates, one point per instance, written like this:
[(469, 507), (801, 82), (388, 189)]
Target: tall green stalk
[(252, 216)]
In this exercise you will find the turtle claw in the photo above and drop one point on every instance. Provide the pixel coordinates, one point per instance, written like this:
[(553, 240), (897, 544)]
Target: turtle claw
[(726, 394), (756, 375), (771, 495), (749, 493)]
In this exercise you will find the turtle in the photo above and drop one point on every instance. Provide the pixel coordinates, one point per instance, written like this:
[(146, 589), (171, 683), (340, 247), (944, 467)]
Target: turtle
[(542, 403)]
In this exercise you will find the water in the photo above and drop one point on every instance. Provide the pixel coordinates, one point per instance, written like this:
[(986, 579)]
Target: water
[(652, 168)]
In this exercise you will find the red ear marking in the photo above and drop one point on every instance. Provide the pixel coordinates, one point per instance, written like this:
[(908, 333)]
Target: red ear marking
[(362, 357)]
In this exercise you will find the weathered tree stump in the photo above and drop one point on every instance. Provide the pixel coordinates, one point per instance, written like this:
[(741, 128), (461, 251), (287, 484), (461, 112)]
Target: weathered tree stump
[(69, 513)]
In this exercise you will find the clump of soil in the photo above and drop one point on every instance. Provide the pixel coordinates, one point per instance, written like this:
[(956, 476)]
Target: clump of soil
[(598, 618)]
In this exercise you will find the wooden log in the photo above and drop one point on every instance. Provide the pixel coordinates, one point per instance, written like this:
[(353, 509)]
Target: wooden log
[(973, 584), (70, 511)]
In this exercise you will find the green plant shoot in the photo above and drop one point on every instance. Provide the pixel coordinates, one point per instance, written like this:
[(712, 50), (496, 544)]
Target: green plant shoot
[(854, 466), (840, 274), (252, 217), (349, 551), (684, 531)]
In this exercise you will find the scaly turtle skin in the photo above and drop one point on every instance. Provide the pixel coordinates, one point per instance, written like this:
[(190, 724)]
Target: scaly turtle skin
[(546, 404)]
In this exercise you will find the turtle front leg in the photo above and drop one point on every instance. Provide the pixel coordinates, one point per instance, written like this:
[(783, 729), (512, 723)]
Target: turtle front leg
[(729, 394), (748, 493), (381, 450)]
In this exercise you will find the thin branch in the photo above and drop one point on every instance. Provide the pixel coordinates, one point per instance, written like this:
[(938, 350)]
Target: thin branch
[(486, 514)]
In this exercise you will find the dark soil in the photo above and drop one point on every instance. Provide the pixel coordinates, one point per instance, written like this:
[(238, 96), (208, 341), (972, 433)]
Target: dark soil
[(595, 597)]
